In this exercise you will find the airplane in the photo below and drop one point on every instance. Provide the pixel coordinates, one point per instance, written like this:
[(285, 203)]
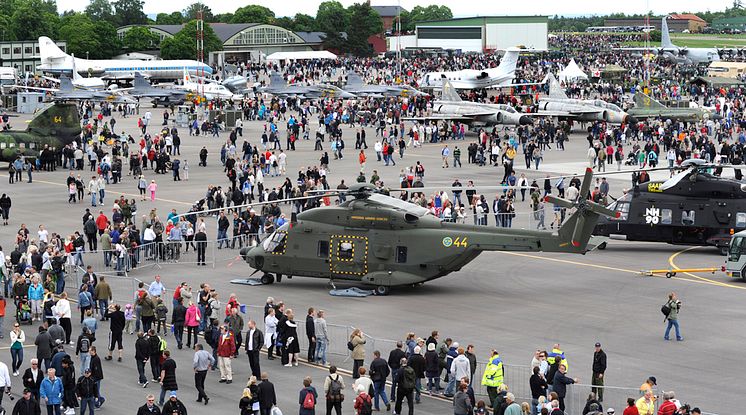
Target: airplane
[(54, 60), (55, 126), (279, 87), (141, 88), (693, 207), (679, 55), (384, 242), (558, 104), (502, 75), (450, 106), (356, 86), (647, 107), (210, 90)]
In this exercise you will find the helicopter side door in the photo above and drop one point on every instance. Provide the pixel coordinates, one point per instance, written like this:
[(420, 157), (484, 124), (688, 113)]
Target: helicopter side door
[(348, 256)]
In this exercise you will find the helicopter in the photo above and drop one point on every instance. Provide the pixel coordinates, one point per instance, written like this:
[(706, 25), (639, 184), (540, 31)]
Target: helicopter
[(692, 207), (383, 242)]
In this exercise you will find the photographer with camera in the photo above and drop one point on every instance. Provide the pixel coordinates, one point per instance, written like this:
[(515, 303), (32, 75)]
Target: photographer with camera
[(671, 311)]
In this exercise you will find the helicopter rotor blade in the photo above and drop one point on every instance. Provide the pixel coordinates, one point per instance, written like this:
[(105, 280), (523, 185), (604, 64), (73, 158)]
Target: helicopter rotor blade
[(601, 210), (578, 230), (673, 181), (585, 186), (559, 202)]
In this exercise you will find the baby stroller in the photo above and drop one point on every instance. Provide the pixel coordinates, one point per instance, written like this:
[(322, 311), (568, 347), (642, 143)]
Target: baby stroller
[(23, 311), (480, 159), (631, 159)]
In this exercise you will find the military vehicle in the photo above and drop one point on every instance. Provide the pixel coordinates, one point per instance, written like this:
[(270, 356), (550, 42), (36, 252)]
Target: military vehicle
[(693, 207), (54, 126), (380, 241), (647, 107)]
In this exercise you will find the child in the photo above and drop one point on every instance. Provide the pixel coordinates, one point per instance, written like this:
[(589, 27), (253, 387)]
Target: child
[(152, 188), (481, 408), (186, 169), (161, 312), (129, 318)]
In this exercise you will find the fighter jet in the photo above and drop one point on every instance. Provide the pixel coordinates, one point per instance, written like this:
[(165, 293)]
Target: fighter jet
[(676, 54), (647, 107), (451, 107), (142, 89), (278, 87), (355, 85), (55, 126), (558, 104)]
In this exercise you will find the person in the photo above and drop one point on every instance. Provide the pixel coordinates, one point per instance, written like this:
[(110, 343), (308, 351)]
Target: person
[(64, 313), (559, 384), (44, 346), (631, 408), (333, 387), (512, 407), (311, 333), (379, 372), (668, 407), (254, 343), (270, 324), (168, 376), (674, 304), (592, 405), (646, 404), (406, 386), (493, 376), (538, 388), (142, 355), (226, 349), (462, 404), (4, 380), (267, 396), (599, 367), (115, 314), (322, 338), (289, 337), (459, 369), (85, 389), (174, 406), (394, 362), (83, 347), (358, 351), (17, 337), (97, 372), (52, 391), (27, 405), (203, 360), (307, 398), (245, 403), (150, 408), (363, 403), (32, 378)]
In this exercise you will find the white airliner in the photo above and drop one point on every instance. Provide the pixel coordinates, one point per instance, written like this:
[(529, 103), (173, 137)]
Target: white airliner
[(211, 90), (54, 60), (503, 75)]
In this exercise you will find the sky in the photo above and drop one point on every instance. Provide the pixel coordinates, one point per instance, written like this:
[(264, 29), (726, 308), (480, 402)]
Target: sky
[(463, 8)]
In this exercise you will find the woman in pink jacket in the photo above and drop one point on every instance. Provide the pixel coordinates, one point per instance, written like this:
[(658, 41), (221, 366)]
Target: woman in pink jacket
[(152, 188), (191, 322)]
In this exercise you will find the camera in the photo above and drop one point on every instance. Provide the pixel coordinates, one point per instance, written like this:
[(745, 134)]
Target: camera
[(685, 409)]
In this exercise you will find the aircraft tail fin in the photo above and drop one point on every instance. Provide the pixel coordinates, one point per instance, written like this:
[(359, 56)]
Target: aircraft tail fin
[(275, 80), (61, 120), (140, 81), (75, 75), (665, 36), (449, 93), (508, 63), (187, 78), (645, 101), (555, 89), (354, 79), (48, 50), (66, 84)]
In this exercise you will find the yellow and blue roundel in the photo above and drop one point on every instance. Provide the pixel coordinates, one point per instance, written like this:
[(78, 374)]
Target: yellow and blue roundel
[(447, 241)]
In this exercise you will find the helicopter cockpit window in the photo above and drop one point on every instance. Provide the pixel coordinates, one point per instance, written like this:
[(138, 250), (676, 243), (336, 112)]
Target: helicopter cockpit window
[(687, 217), (667, 216), (741, 220), (345, 250), (621, 205), (276, 241)]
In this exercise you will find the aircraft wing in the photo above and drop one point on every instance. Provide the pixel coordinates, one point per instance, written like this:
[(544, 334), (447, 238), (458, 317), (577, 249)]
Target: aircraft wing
[(439, 117), (34, 88), (566, 113)]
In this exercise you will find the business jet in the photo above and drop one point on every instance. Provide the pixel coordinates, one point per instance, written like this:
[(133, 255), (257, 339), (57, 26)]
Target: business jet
[(502, 75)]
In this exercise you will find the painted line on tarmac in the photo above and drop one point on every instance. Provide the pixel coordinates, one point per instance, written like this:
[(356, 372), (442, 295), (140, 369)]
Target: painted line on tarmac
[(675, 267), (122, 193)]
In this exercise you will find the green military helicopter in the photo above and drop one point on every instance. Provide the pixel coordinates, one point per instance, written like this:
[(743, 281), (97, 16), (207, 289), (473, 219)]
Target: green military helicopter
[(384, 242), (53, 127), (647, 107)]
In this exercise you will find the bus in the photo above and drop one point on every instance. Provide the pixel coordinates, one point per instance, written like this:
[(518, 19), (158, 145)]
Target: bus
[(735, 266)]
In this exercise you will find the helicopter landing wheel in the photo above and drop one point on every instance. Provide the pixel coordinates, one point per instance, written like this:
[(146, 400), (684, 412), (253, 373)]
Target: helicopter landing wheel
[(267, 279), (724, 250), (279, 277), (383, 290), (670, 274), (602, 246)]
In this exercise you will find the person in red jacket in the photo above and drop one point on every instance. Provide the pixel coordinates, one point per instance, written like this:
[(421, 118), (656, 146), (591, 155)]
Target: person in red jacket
[(669, 406), (363, 402), (226, 350), (631, 408), (101, 222)]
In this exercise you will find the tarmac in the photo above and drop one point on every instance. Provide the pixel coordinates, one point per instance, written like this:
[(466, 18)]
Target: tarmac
[(513, 302)]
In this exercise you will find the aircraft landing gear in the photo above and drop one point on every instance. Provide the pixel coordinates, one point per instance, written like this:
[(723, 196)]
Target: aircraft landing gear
[(267, 279), (383, 290), (279, 277), (602, 246)]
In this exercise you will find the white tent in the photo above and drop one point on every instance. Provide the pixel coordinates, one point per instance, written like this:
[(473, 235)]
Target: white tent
[(310, 54), (572, 73)]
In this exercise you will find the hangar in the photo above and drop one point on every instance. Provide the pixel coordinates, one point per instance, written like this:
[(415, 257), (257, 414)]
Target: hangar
[(484, 33)]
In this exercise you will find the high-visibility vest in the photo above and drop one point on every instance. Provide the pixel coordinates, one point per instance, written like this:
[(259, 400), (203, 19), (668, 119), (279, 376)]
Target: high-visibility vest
[(493, 373), (557, 353)]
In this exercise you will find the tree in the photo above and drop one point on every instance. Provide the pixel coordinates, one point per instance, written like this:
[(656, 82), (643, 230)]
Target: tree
[(130, 12), (190, 13), (304, 23), (422, 14), (34, 18), (285, 22), (140, 38), (169, 18), (79, 31), (332, 17), (364, 22), (223, 17), (107, 36), (253, 14), (100, 10), (183, 46)]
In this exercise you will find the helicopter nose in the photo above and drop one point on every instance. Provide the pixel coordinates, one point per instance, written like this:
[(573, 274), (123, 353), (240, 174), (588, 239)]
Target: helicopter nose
[(525, 120), (246, 255)]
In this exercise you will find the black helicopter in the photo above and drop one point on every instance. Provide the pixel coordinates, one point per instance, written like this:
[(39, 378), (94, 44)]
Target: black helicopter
[(694, 207)]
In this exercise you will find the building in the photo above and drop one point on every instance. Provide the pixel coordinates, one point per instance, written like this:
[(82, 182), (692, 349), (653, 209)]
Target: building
[(676, 23), (23, 55), (388, 16), (247, 41), (694, 23), (480, 34), (730, 23)]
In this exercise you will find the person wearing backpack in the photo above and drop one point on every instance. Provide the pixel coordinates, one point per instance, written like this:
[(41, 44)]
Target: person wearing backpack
[(83, 347), (333, 387), (672, 306), (406, 382), (307, 398), (363, 402)]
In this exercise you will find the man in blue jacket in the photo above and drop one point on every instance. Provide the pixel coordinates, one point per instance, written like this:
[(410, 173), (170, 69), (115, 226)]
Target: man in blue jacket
[(51, 391)]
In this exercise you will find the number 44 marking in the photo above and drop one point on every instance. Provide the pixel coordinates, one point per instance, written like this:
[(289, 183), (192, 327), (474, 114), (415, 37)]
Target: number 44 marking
[(459, 241)]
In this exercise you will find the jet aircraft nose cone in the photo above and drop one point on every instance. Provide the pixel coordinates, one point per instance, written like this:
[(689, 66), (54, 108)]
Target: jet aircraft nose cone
[(525, 120)]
